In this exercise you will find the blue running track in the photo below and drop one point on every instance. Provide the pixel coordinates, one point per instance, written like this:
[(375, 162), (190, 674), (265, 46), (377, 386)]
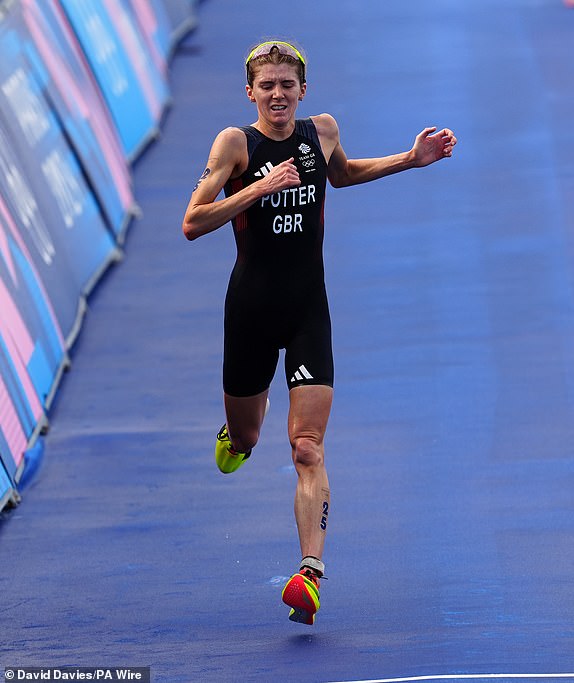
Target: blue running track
[(450, 553)]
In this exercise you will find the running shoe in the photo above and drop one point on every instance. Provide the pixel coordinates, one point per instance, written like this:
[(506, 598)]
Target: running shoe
[(301, 593), (227, 458)]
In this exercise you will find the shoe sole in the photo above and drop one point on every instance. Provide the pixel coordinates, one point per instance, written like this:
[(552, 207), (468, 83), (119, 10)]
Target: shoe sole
[(302, 596), (302, 617)]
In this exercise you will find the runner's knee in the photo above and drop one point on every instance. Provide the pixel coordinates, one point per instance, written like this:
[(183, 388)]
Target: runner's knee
[(307, 452)]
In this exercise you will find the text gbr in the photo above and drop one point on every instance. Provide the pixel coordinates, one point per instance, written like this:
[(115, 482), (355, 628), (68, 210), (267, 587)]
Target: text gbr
[(289, 198)]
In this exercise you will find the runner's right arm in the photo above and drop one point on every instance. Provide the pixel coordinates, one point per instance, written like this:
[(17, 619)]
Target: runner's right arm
[(227, 159)]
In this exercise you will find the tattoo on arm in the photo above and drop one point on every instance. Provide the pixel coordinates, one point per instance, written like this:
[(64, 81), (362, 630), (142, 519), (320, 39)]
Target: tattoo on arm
[(202, 177)]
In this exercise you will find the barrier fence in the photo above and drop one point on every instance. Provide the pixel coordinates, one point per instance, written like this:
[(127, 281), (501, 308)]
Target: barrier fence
[(83, 87)]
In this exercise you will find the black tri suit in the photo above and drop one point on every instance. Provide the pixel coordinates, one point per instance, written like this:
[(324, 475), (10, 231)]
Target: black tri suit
[(276, 296)]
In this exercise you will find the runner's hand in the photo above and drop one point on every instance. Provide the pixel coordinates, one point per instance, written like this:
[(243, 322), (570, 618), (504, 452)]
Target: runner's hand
[(281, 177), (431, 146)]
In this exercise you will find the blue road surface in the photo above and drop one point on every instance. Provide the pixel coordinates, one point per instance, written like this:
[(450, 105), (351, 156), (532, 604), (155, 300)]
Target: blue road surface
[(450, 552)]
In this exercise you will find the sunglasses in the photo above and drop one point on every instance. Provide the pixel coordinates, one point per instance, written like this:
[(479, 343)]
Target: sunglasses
[(282, 47)]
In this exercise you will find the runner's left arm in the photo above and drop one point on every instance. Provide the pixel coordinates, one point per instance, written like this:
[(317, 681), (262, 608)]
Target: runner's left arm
[(429, 146)]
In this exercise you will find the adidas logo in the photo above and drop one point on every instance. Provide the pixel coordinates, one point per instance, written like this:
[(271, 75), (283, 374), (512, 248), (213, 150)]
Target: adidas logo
[(301, 373), (264, 170), (304, 148)]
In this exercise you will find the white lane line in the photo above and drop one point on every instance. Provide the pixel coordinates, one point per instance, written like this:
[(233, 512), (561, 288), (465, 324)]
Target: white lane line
[(464, 677)]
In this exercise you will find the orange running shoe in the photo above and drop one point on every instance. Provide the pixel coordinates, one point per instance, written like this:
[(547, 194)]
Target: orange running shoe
[(301, 593)]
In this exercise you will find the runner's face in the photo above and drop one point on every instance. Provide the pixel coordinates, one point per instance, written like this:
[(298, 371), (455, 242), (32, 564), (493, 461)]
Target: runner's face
[(276, 91)]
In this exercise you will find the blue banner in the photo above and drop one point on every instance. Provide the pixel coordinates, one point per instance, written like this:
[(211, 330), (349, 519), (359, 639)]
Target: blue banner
[(7, 492), (134, 90), (181, 14), (153, 23), (44, 187), (59, 65), (20, 410), (28, 323), (83, 86), (27, 215), (162, 30)]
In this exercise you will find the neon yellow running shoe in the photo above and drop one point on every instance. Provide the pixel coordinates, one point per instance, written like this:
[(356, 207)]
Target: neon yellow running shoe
[(301, 593), (227, 458)]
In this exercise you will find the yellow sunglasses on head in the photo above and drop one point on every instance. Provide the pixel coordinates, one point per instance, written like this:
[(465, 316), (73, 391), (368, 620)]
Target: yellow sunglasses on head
[(283, 48)]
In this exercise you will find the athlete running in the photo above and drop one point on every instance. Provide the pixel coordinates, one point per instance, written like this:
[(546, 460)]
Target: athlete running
[(274, 175)]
